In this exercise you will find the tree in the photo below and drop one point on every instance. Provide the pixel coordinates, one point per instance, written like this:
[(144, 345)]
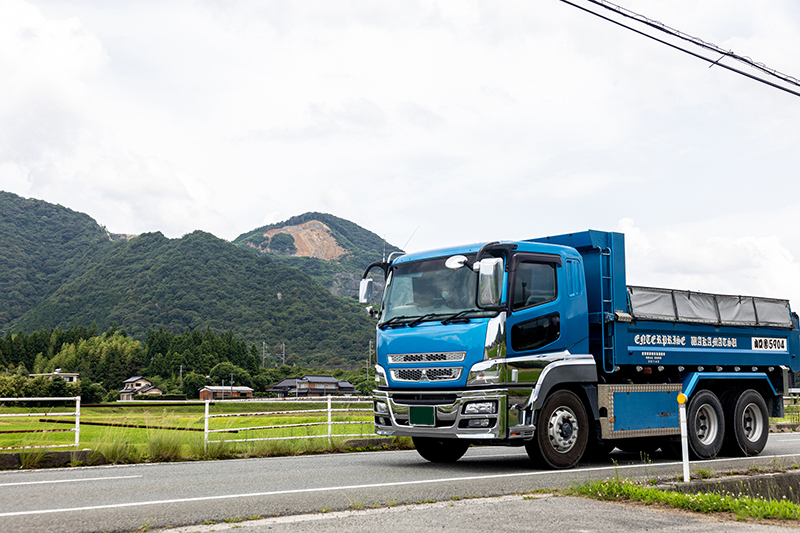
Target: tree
[(192, 383), (224, 371)]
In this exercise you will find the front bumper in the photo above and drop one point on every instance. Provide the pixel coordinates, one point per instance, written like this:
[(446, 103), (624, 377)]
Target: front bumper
[(441, 414)]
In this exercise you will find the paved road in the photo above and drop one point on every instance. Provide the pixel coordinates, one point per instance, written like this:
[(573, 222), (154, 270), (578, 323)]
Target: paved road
[(545, 514), (121, 498)]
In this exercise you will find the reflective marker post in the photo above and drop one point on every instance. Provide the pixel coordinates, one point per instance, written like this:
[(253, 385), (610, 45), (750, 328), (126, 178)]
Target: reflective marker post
[(684, 435)]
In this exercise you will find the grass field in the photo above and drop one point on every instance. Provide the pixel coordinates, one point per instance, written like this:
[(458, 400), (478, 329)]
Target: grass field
[(184, 440)]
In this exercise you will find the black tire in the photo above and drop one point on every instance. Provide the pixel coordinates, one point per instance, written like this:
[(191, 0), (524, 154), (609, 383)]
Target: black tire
[(705, 424), (562, 431), (440, 450), (747, 422)]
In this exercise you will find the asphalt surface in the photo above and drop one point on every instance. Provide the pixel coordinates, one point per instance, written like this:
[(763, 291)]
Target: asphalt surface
[(149, 496), (512, 514)]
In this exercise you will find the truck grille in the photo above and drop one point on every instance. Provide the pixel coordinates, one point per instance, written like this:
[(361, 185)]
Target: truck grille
[(435, 357), (426, 374)]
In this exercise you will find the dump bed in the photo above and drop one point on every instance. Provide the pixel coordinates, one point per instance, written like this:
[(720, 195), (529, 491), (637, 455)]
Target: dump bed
[(657, 327)]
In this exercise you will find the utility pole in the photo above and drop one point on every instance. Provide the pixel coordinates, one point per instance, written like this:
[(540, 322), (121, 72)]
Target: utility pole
[(180, 379), (283, 348), (263, 354), (231, 385)]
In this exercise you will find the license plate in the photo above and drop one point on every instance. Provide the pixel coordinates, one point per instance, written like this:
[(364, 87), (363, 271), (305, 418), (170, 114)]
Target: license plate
[(421, 416)]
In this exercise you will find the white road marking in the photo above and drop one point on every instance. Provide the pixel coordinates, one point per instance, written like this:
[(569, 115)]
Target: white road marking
[(65, 480), (348, 487)]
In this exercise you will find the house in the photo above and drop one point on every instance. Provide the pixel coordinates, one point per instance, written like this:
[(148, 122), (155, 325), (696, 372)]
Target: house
[(69, 377), (221, 393), (137, 385), (311, 385)]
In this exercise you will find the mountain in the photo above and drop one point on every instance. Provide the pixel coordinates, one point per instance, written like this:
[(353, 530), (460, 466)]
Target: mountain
[(42, 246), (332, 250), (64, 269)]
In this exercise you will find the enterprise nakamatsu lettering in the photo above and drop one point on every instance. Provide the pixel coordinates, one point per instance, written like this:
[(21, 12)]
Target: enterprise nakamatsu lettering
[(541, 343)]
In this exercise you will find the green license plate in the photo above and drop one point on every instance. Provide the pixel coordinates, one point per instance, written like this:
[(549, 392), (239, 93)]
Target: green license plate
[(421, 415)]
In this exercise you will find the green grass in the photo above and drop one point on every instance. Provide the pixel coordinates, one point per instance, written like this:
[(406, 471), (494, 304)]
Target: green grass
[(742, 507), (149, 443)]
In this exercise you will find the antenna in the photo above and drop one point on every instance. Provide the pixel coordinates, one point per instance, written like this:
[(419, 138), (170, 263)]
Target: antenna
[(409, 239)]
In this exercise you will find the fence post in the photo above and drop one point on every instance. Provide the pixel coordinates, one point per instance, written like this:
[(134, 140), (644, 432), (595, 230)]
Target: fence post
[(330, 426), (205, 430), (77, 423)]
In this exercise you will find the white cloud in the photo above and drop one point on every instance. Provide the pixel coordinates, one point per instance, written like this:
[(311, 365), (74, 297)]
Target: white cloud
[(470, 120)]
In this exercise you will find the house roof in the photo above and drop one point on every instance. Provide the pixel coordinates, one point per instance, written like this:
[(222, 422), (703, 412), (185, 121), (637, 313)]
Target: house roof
[(285, 383), (141, 390), (317, 378), (217, 388), (134, 378)]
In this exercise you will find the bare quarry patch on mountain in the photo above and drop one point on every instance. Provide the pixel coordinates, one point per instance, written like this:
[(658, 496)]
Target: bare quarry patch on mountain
[(312, 239)]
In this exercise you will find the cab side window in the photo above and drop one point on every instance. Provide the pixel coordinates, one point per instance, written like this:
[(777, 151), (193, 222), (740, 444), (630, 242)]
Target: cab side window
[(535, 284)]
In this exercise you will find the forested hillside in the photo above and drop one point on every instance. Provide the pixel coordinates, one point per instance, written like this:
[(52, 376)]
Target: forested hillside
[(64, 271), (42, 246)]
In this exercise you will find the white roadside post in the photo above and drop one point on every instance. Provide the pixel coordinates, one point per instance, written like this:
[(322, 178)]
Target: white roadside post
[(329, 420), (77, 423), (205, 430), (684, 436)]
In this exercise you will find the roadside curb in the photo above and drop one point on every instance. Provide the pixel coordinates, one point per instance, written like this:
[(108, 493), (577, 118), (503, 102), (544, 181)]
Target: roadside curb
[(772, 485), (51, 459), (789, 427)]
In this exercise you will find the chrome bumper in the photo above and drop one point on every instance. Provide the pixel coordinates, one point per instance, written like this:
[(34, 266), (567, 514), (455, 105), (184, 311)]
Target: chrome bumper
[(448, 418)]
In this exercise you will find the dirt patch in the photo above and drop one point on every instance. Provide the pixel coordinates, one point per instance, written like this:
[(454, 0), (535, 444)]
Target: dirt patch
[(312, 239)]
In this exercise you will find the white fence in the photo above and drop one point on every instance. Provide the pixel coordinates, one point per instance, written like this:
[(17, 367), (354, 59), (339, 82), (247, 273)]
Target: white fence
[(76, 414), (349, 400)]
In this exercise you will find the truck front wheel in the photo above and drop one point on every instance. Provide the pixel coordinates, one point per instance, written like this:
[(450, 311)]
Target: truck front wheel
[(705, 423), (562, 431), (440, 450), (748, 423)]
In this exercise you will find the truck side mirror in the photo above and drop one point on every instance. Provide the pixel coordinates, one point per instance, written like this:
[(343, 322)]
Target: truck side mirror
[(365, 291), (490, 282)]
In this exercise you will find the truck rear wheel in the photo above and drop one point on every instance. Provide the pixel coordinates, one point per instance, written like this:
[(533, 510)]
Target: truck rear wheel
[(705, 423), (440, 450), (562, 431), (747, 421)]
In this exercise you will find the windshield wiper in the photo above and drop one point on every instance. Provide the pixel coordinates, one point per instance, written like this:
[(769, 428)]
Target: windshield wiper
[(423, 317), (395, 321), (451, 318)]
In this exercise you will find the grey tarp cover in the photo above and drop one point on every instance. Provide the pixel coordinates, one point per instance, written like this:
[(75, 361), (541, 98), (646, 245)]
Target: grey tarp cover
[(686, 306)]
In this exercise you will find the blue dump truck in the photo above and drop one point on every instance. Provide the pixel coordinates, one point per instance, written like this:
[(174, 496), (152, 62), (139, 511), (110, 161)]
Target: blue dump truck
[(540, 343)]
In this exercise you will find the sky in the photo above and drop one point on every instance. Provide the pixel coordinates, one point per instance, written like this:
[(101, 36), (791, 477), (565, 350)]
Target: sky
[(430, 123)]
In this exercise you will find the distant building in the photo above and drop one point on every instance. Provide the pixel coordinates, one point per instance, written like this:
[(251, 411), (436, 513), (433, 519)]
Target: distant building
[(311, 385), (137, 385), (221, 393), (69, 377)]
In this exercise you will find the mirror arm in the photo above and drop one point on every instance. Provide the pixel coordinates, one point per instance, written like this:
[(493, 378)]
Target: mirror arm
[(494, 245), (383, 266)]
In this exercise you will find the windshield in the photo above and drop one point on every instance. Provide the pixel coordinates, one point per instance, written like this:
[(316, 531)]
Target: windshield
[(429, 289)]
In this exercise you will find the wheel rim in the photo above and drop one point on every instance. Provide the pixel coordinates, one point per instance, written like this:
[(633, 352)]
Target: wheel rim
[(563, 429), (706, 424), (752, 422)]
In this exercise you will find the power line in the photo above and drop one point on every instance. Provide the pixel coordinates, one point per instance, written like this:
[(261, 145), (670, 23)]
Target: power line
[(694, 40)]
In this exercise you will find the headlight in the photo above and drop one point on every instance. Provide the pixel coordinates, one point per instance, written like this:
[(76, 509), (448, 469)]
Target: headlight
[(480, 408), (484, 373), (380, 376), (382, 408)]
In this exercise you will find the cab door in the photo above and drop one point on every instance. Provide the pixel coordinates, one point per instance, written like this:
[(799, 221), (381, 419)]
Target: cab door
[(534, 307)]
